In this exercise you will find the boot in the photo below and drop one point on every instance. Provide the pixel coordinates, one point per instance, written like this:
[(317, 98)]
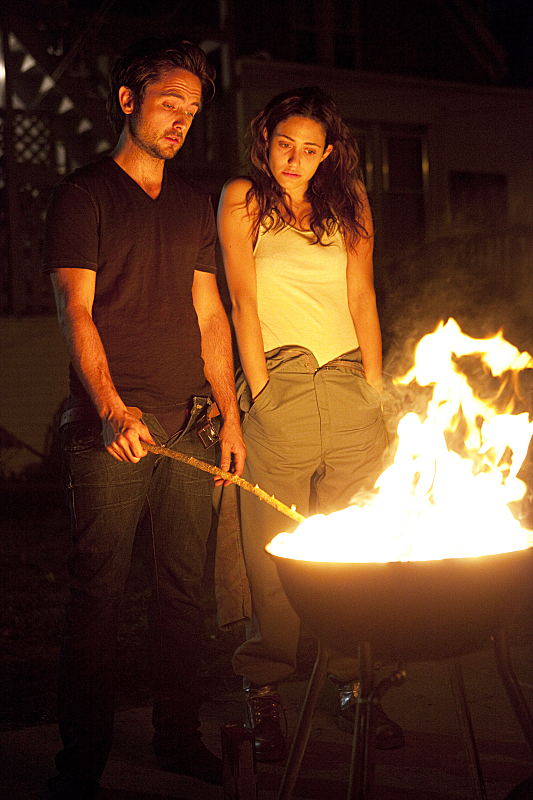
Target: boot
[(387, 735), (263, 709)]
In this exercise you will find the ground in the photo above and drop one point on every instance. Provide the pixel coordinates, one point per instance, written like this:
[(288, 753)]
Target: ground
[(33, 547), (34, 541)]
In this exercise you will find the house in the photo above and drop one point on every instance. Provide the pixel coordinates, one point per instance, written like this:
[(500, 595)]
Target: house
[(438, 92)]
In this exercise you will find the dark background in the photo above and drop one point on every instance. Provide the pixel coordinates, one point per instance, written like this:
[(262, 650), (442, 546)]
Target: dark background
[(478, 42)]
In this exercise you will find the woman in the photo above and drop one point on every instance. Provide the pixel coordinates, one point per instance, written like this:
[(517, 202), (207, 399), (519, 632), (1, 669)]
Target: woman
[(297, 242)]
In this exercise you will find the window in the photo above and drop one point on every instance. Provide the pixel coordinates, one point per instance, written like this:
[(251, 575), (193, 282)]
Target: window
[(395, 168), (405, 176), (347, 34), (304, 33), (478, 200)]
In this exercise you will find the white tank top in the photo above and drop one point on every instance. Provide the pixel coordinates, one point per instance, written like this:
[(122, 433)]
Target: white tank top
[(302, 294)]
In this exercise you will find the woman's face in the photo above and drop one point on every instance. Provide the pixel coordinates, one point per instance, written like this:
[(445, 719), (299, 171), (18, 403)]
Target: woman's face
[(295, 151)]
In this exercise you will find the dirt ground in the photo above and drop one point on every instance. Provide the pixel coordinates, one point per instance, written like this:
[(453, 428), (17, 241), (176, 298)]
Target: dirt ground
[(34, 541), (33, 545)]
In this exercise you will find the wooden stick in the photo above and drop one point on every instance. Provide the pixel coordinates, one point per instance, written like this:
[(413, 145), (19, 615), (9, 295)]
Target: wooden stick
[(227, 476)]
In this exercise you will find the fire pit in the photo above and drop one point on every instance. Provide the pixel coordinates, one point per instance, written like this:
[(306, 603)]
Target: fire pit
[(418, 609), (421, 611), (436, 563)]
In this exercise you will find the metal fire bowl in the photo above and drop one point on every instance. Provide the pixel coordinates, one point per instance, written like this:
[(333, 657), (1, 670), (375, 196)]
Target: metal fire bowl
[(418, 610)]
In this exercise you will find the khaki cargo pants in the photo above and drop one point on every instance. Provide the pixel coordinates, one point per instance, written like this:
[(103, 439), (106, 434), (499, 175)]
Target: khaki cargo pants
[(315, 437)]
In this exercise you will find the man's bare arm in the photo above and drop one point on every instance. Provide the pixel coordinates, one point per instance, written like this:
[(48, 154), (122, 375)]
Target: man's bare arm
[(74, 293), (218, 360)]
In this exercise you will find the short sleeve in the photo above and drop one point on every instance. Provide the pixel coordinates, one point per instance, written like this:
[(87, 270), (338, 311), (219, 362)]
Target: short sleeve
[(71, 231), (205, 261)]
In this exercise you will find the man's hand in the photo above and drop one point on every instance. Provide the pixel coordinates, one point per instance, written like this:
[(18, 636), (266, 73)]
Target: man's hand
[(123, 436), (233, 450)]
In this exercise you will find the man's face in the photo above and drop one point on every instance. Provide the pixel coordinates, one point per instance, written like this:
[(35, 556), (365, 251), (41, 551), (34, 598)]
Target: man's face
[(160, 125)]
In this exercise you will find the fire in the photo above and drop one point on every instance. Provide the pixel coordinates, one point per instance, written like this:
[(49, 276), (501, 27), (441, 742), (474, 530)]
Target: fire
[(447, 493)]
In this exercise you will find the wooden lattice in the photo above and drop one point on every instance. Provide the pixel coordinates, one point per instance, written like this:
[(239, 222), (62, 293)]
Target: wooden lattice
[(31, 139)]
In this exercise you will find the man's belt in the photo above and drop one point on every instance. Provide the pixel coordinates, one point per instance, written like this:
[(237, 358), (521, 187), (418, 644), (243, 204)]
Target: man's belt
[(79, 414), (88, 414)]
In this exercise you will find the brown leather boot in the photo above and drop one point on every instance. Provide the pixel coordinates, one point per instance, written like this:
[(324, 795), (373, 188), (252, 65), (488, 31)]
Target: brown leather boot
[(263, 710), (387, 734)]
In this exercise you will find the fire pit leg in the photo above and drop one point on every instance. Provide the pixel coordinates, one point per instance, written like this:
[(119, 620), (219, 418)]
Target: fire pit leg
[(301, 737), (465, 723), (512, 687), (362, 765)]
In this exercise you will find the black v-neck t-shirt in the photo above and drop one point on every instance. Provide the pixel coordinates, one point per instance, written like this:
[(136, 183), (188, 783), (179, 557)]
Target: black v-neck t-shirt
[(144, 253)]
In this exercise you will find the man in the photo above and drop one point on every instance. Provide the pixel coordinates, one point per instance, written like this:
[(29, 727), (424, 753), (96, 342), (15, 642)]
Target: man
[(130, 249)]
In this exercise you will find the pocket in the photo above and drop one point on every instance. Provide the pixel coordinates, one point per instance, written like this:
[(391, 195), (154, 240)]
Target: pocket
[(76, 437), (242, 391), (259, 399), (244, 395), (373, 395), (354, 405)]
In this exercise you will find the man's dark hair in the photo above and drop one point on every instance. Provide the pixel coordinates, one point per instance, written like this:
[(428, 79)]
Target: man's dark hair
[(146, 61)]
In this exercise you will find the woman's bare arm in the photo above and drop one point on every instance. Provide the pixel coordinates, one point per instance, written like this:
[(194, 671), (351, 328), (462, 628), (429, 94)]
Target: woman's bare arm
[(362, 302), (234, 230)]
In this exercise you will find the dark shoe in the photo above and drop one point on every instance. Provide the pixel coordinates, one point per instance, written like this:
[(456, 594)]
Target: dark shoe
[(263, 709), (195, 761), (63, 787), (387, 734)]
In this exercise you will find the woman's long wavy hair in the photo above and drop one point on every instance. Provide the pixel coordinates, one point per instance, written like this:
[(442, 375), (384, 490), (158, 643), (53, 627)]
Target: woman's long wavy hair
[(335, 188)]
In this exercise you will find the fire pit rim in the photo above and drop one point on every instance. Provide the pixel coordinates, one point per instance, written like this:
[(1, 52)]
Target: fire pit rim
[(461, 559)]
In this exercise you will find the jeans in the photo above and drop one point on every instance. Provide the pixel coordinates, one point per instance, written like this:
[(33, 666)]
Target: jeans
[(168, 504)]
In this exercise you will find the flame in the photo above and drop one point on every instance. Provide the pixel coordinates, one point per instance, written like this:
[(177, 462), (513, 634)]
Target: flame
[(454, 474)]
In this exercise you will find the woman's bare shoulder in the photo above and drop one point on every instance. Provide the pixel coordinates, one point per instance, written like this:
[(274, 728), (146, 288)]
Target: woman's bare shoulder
[(237, 188), (235, 198)]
